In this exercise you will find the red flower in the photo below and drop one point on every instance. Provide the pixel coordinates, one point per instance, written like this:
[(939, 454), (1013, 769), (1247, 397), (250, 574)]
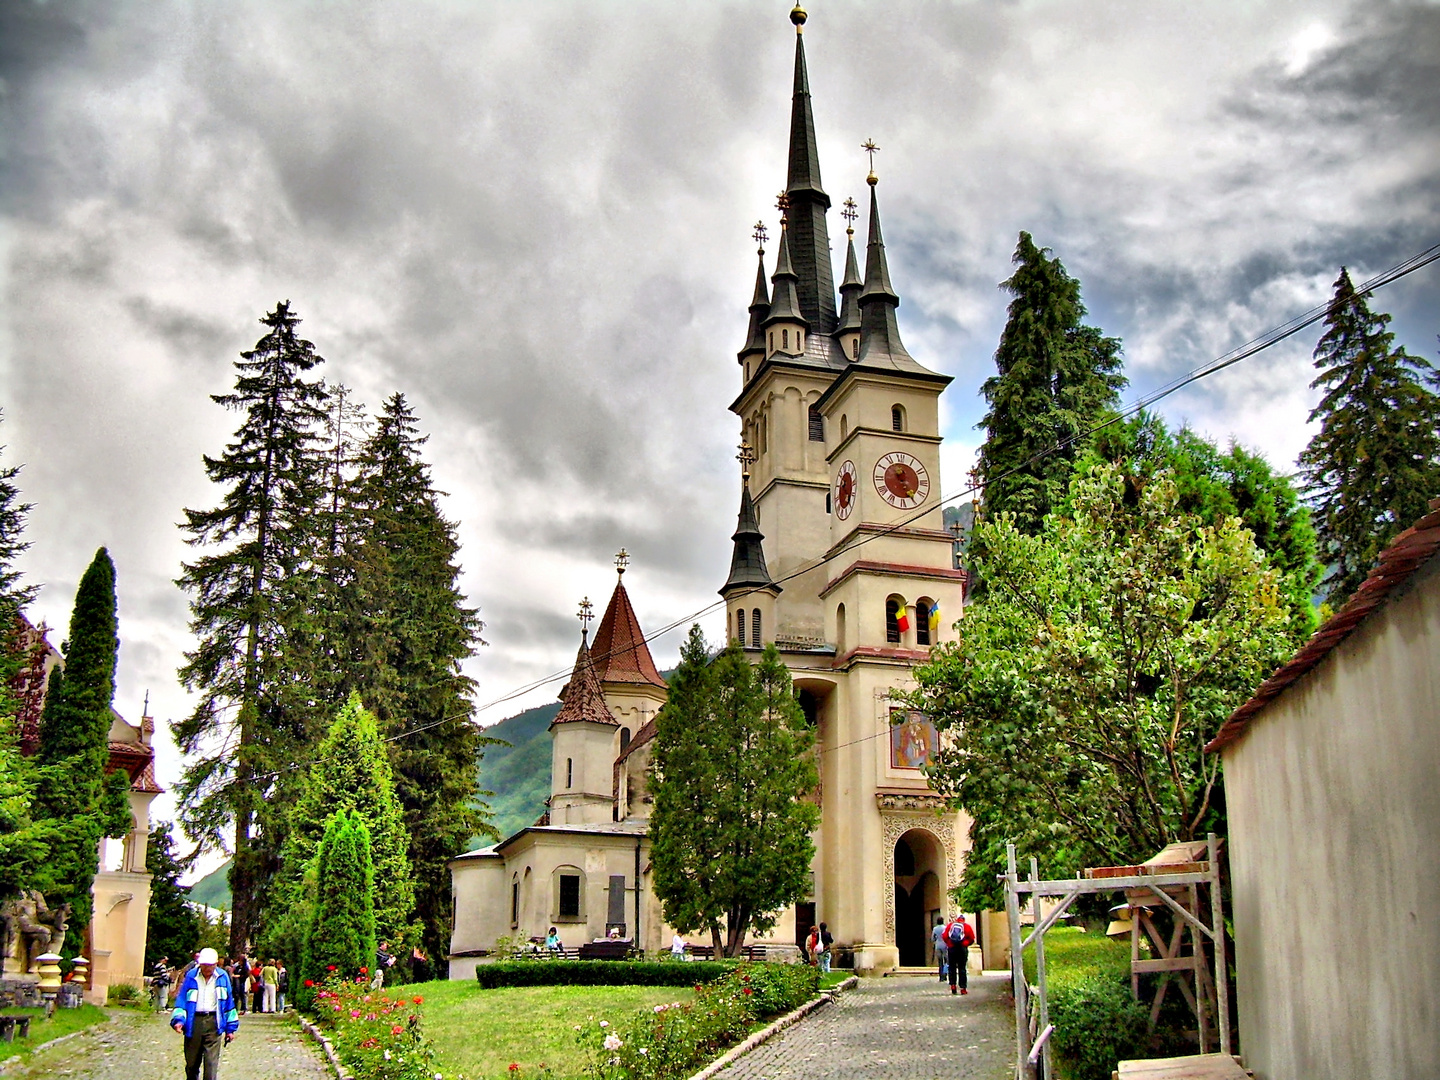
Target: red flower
[(397, 1030), (365, 971), (514, 1068), (418, 1000), (747, 990), (330, 968), (309, 982)]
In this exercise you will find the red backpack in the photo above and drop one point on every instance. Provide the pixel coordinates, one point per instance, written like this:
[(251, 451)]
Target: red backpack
[(959, 932)]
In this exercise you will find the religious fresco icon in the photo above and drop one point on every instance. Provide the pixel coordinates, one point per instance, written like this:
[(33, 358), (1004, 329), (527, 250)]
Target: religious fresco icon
[(913, 739)]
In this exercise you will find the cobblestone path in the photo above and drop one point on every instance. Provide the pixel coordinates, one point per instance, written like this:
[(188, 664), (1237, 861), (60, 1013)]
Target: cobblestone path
[(900, 1028), (141, 1047)]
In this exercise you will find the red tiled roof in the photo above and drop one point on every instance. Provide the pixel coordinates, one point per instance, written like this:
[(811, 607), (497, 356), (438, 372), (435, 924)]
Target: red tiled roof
[(584, 700), (620, 652), (1398, 563), (146, 781)]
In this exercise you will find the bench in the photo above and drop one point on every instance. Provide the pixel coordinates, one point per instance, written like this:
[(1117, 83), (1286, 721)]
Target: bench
[(12, 1025), (606, 950)]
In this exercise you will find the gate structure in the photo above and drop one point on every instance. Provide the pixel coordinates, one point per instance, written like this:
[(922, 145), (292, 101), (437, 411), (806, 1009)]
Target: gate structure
[(1160, 880)]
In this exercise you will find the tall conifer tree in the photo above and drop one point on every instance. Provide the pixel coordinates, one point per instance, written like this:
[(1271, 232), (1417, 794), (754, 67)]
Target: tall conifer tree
[(342, 926), (1055, 377), (252, 592), (1374, 464), (84, 802), (406, 630)]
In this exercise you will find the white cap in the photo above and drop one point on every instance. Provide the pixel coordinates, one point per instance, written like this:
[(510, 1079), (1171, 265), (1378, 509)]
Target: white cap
[(208, 956)]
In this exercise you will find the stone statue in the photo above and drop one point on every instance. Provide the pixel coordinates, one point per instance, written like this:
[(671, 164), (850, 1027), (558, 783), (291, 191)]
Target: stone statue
[(32, 929), (56, 921)]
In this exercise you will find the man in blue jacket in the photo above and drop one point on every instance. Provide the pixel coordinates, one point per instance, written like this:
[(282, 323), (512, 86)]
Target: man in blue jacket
[(205, 1014)]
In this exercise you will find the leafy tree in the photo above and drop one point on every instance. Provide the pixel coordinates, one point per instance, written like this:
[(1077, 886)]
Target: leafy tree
[(1375, 462), (1215, 485), (351, 772), (251, 598), (83, 801), (404, 630), (731, 825), (1055, 377), (342, 927), (174, 925), (1107, 651)]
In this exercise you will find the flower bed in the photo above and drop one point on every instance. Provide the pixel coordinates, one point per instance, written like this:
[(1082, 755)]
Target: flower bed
[(600, 973), (672, 1040), (377, 1034)]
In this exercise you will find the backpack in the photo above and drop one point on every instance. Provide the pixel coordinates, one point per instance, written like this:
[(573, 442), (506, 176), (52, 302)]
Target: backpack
[(959, 933)]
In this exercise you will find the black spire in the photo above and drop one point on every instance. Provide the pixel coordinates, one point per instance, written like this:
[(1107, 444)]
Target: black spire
[(850, 287), (808, 203), (879, 335), (759, 308), (784, 303), (747, 565)]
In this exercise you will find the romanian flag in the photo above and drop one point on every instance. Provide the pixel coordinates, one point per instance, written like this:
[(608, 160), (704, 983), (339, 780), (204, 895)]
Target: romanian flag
[(935, 615), (902, 620)]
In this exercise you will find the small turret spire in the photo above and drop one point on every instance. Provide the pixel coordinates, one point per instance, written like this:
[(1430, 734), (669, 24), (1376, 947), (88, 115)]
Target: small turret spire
[(748, 571), (851, 286), (784, 301), (759, 303), (879, 334)]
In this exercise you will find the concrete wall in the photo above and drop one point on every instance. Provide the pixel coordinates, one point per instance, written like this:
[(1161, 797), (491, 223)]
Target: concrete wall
[(1334, 810)]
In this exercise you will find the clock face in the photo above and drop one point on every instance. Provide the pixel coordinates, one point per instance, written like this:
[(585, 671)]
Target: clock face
[(845, 489), (902, 481)]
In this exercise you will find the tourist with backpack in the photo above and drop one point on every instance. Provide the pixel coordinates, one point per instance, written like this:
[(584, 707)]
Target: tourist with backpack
[(959, 937)]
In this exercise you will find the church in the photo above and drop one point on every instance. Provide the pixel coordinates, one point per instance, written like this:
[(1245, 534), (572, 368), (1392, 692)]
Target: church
[(842, 561)]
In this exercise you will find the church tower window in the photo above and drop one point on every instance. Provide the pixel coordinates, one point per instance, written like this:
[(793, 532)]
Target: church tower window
[(740, 626), (892, 621), (569, 772), (817, 425), (855, 349), (897, 418), (755, 626), (624, 739), (839, 629), (844, 425), (569, 906), (922, 622), (785, 340)]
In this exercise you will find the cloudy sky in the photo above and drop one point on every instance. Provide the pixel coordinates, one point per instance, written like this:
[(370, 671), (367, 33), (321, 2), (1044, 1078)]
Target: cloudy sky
[(533, 218)]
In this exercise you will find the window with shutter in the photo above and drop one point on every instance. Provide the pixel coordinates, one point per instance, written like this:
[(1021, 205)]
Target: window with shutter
[(755, 626), (817, 425)]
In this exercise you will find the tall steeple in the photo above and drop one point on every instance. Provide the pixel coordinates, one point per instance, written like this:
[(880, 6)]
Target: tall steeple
[(759, 304), (808, 201), (849, 329), (784, 303), (748, 571), (621, 655), (879, 334)]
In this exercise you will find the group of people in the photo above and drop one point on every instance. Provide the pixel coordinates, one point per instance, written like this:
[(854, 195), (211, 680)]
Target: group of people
[(952, 950), (819, 947), (257, 985)]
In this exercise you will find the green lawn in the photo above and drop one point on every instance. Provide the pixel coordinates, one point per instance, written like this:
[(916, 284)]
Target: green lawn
[(1071, 953), (42, 1030), (481, 1032)]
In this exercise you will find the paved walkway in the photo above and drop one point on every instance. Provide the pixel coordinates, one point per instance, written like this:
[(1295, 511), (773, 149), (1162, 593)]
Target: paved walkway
[(900, 1028), (138, 1046)]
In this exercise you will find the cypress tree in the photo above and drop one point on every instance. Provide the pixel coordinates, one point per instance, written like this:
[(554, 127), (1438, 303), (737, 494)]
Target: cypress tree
[(404, 631), (83, 802), (1373, 466), (1055, 377), (251, 604), (342, 927), (351, 772)]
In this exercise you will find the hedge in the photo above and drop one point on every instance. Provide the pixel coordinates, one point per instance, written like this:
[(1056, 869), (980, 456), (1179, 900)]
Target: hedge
[(600, 973)]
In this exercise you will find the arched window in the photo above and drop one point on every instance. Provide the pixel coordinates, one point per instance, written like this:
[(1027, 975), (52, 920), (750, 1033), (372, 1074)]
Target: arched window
[(624, 739), (567, 893), (839, 629), (785, 340), (515, 900), (569, 772), (827, 502), (740, 625), (844, 425), (922, 620), (897, 418), (755, 626), (764, 434), (893, 607), (772, 340), (855, 348), (747, 370), (800, 340), (817, 425)]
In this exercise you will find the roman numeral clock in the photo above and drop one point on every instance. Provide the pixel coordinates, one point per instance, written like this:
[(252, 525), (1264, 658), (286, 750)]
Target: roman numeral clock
[(902, 481)]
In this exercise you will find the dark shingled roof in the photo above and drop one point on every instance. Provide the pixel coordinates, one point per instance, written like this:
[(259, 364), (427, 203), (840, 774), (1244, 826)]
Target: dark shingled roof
[(759, 308), (808, 204), (1405, 555), (584, 700), (850, 290), (747, 564), (784, 304), (620, 652)]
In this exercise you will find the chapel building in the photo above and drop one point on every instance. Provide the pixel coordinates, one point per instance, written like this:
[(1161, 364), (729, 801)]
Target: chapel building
[(841, 560)]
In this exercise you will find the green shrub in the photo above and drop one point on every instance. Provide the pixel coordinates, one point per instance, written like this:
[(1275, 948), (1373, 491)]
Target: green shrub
[(599, 973), (377, 1034), (124, 994), (1097, 1023)]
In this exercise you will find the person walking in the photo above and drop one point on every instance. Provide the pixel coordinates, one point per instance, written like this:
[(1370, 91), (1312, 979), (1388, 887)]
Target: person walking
[(271, 977), (282, 984), (239, 979), (812, 947), (257, 986), (159, 983), (205, 1015), (959, 937), (942, 948), (826, 941)]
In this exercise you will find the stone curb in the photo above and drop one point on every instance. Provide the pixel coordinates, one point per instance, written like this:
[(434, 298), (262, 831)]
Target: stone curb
[(766, 1034), (325, 1045)]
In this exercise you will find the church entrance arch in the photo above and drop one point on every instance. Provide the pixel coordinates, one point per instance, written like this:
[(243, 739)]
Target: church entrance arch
[(919, 897)]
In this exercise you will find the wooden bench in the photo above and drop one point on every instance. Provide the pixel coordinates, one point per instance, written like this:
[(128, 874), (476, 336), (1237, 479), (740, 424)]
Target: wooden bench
[(1194, 1067), (606, 950), (10, 1026)]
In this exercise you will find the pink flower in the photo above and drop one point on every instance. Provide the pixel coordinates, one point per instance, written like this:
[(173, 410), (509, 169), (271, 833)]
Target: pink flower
[(397, 1030)]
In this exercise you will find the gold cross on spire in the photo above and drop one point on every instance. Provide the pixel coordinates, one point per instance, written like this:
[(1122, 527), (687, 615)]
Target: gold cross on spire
[(622, 560), (585, 614), (782, 203), (869, 147), (849, 214), (761, 235), (746, 457)]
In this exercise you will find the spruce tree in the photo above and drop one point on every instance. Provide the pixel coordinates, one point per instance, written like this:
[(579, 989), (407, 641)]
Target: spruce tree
[(252, 594), (404, 630), (351, 772), (174, 925), (81, 799), (341, 938), (1373, 466), (1055, 378)]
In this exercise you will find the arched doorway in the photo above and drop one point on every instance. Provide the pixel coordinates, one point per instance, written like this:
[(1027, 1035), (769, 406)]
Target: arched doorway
[(919, 862)]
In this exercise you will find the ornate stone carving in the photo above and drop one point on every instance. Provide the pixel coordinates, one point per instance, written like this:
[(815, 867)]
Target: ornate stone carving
[(901, 813)]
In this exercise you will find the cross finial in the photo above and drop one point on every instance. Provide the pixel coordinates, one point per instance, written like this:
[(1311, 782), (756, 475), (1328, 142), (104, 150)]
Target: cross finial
[(849, 214), (622, 560), (761, 235), (585, 614), (746, 457), (782, 203), (869, 147)]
